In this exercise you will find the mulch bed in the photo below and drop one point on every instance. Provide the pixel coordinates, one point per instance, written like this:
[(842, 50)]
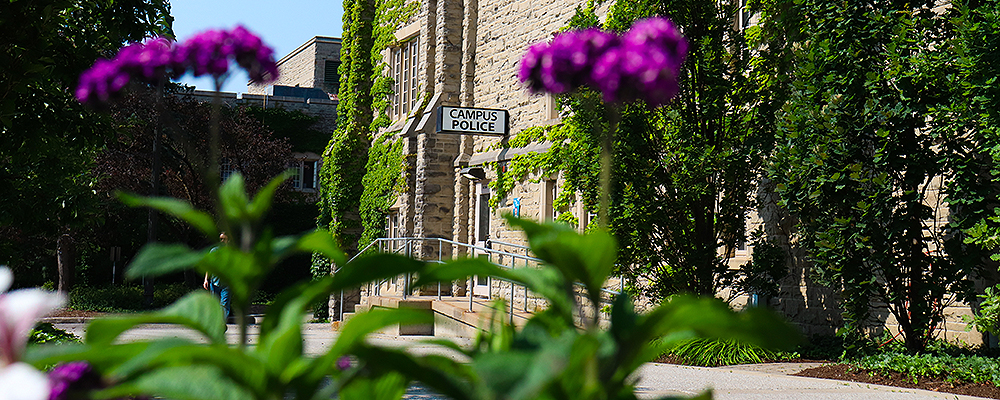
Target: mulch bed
[(66, 312), (840, 372)]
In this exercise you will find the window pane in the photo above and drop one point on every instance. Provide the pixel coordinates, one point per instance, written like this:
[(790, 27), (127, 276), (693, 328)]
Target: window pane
[(309, 175)]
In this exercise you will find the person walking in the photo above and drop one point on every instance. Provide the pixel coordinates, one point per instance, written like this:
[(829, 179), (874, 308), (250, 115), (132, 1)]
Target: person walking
[(212, 284)]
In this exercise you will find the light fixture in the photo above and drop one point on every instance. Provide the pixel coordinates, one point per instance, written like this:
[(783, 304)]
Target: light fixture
[(473, 173)]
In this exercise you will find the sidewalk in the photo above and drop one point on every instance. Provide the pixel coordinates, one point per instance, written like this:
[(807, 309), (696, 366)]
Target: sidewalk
[(743, 382)]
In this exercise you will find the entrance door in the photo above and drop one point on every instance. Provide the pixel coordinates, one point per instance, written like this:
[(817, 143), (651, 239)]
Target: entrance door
[(481, 283)]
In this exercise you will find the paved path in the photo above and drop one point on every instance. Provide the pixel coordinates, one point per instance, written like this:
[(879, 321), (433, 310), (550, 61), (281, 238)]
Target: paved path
[(748, 382)]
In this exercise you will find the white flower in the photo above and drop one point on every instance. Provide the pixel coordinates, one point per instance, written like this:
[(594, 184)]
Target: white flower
[(20, 381), (18, 312)]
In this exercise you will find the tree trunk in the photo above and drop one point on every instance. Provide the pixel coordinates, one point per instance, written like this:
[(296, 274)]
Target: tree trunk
[(66, 259)]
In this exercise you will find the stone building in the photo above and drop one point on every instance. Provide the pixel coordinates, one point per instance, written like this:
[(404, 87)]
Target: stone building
[(313, 65), (308, 83), (466, 54)]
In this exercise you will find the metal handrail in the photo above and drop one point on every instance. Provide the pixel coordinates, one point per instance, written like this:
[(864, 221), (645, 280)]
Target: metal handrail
[(489, 252), (516, 246)]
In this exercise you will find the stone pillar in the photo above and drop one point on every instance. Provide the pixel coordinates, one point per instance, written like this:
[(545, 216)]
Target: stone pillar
[(434, 192), (467, 95)]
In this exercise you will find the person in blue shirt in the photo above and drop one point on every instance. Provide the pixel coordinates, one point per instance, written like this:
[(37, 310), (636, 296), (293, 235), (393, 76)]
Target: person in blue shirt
[(213, 284)]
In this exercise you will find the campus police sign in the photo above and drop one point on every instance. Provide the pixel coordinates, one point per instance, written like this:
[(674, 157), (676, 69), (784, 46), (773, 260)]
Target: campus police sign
[(472, 121)]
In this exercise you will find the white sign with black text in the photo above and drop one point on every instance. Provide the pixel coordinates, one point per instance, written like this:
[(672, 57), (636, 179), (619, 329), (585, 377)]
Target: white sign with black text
[(472, 121)]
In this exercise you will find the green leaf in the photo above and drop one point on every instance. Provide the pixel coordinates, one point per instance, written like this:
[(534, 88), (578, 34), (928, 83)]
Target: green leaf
[(447, 377), (178, 208), (586, 258), (158, 259), (189, 382), (233, 199), (262, 201), (359, 326), (281, 333), (198, 310), (390, 386), (321, 241), (355, 332)]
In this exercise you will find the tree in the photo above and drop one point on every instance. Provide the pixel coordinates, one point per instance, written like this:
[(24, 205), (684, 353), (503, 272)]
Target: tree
[(125, 163), (684, 174), (860, 149), (47, 139)]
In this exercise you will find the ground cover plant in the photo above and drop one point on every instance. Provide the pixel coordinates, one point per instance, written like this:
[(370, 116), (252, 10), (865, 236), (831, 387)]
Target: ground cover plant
[(944, 366), (123, 298)]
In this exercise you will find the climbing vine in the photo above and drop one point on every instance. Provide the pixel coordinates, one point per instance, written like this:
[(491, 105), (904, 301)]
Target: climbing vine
[(348, 206), (685, 173), (382, 182)]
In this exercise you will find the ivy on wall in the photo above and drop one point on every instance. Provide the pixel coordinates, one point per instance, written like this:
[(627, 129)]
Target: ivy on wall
[(685, 174), (348, 207), (382, 182)]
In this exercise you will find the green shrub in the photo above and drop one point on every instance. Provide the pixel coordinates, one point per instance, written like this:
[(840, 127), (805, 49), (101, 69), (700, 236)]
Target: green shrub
[(47, 333), (123, 298), (715, 352)]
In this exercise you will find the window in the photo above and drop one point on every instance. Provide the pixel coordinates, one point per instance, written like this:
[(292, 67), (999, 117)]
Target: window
[(404, 75), (743, 16), (331, 76), (549, 195), (226, 169), (392, 224), (306, 174)]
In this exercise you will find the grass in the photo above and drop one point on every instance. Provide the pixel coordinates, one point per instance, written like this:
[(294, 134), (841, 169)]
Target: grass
[(717, 352)]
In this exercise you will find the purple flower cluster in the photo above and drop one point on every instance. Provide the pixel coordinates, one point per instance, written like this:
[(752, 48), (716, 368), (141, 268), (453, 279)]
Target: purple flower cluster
[(156, 60), (643, 64), (73, 377)]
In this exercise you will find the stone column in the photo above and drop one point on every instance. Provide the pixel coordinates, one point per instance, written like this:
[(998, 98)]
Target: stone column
[(434, 194)]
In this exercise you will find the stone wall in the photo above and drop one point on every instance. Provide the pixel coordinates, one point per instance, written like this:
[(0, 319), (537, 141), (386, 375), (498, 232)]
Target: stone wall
[(324, 110), (303, 67)]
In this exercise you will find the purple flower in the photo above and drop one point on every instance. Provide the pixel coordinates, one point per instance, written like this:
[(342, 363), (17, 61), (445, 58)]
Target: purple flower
[(102, 81), (636, 72), (253, 55), (565, 63), (72, 377), (158, 59), (661, 34), (206, 53), (642, 65), (343, 363)]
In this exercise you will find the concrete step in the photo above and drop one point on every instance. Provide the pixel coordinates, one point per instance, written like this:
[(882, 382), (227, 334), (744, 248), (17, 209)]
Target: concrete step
[(452, 315)]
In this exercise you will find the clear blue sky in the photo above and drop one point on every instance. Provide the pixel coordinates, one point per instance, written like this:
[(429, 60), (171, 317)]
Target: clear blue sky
[(284, 25)]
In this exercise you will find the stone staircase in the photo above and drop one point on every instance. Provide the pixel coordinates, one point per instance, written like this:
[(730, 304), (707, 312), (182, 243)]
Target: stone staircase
[(457, 315), (452, 317)]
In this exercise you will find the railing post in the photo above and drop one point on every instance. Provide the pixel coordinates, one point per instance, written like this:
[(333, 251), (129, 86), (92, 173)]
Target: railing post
[(526, 288), (512, 302), (440, 245), (469, 290), (341, 317)]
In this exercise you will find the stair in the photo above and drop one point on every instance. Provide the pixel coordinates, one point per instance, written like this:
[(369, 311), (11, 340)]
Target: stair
[(452, 317)]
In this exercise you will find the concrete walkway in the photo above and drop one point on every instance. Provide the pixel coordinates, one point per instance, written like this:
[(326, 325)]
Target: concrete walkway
[(763, 381)]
